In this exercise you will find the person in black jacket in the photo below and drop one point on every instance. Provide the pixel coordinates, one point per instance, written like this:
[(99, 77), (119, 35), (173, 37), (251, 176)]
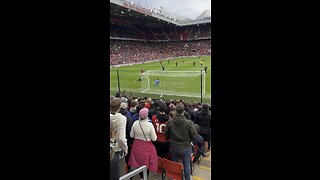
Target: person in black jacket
[(152, 110), (199, 141), (203, 120), (123, 111)]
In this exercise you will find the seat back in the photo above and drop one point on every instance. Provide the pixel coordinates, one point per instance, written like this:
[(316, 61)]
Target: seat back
[(174, 170), (160, 165)]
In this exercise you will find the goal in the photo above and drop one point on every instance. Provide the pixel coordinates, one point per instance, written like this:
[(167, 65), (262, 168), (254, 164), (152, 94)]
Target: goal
[(180, 83)]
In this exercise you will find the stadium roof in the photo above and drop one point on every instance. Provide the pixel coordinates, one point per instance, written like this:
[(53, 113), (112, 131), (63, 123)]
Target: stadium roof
[(137, 14), (135, 17), (205, 14)]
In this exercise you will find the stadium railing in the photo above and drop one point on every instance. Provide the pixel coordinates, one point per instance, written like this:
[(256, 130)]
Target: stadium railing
[(135, 172)]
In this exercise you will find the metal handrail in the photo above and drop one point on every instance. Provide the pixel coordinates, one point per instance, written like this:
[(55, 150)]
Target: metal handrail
[(135, 172)]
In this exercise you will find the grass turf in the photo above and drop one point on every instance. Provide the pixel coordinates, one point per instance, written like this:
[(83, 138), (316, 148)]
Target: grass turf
[(129, 74)]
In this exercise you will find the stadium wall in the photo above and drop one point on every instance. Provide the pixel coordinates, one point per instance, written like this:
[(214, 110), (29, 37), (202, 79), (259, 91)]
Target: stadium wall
[(119, 65), (144, 40)]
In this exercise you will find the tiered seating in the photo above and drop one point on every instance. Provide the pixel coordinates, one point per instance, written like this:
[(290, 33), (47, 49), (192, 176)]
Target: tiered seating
[(123, 52), (126, 30)]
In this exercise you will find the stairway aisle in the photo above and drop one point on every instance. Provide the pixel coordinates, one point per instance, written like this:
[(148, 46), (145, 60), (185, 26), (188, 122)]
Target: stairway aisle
[(203, 170)]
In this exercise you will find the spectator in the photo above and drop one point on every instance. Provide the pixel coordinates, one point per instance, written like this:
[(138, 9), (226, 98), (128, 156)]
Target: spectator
[(152, 110), (143, 151), (203, 119), (124, 107), (113, 161), (129, 124), (168, 104), (181, 132), (160, 122), (172, 114), (119, 141), (190, 110), (213, 116), (156, 105), (133, 107), (136, 115), (148, 103), (199, 141)]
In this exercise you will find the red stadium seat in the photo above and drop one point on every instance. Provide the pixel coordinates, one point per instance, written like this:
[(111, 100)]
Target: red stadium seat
[(161, 168), (173, 170)]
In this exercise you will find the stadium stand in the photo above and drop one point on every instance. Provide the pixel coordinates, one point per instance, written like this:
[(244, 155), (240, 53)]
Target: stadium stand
[(193, 32), (124, 51), (139, 35), (190, 108)]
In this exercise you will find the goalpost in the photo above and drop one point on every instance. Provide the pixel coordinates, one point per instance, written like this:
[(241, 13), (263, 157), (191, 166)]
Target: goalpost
[(180, 83)]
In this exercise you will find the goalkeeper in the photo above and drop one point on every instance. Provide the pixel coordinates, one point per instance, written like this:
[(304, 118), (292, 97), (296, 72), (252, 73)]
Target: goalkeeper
[(157, 82)]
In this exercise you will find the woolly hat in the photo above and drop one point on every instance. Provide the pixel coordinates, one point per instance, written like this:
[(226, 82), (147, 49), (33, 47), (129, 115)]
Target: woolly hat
[(143, 114)]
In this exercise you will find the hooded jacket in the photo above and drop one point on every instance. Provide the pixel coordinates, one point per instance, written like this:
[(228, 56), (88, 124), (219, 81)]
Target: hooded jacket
[(159, 122), (128, 126), (119, 123), (203, 119), (181, 132)]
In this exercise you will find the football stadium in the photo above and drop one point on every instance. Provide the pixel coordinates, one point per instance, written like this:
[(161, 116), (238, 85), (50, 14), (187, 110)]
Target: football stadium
[(160, 76)]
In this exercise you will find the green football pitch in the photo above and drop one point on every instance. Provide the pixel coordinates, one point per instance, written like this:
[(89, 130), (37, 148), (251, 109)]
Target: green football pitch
[(129, 74)]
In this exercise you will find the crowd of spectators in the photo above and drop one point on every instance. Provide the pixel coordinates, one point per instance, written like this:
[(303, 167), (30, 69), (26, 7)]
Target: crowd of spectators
[(124, 31), (156, 132), (124, 51), (202, 31), (191, 32)]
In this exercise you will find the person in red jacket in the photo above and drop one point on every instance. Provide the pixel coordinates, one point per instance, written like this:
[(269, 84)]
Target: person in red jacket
[(159, 122)]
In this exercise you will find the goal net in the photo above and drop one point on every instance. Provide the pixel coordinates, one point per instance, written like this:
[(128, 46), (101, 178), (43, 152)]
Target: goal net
[(180, 83)]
